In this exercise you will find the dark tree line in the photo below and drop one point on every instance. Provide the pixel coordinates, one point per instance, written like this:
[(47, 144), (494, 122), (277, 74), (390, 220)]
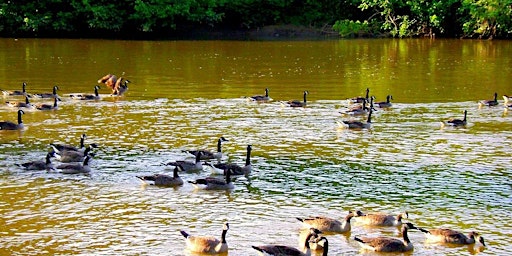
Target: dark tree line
[(165, 18)]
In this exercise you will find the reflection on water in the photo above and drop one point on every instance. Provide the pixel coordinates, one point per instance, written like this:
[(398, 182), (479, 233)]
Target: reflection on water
[(186, 94)]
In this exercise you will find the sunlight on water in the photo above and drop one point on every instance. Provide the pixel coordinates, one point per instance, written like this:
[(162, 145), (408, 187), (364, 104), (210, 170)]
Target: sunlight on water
[(304, 164)]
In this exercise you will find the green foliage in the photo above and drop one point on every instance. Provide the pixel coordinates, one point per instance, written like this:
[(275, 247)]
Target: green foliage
[(487, 18), (349, 28)]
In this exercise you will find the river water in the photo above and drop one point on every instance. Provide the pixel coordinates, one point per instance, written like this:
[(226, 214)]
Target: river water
[(186, 94)]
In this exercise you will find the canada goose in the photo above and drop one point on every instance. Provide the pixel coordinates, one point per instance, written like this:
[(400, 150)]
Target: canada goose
[(489, 103), (507, 99), (207, 154), (457, 122), (121, 87), (360, 99), (16, 93), (75, 168), (188, 166), (109, 80), (207, 244), (48, 106), (361, 109), (318, 243), (221, 168), (68, 156), (211, 183), (8, 125), (48, 95), (449, 236), (385, 104), (63, 147), (297, 103), (352, 124), (261, 98), (163, 179), (288, 250), (39, 165), (95, 96), (326, 224), (388, 244), (382, 219), (19, 104)]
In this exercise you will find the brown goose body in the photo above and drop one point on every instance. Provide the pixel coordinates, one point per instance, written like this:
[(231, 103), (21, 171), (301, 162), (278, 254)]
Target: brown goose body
[(450, 236), (326, 224), (165, 180), (297, 103), (282, 250), (382, 219), (388, 244), (207, 244), (8, 125)]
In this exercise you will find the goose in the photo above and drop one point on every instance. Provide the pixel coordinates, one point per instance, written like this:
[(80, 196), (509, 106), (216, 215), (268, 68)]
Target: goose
[(457, 122), (507, 99), (388, 244), (163, 179), (63, 147), (121, 87), (207, 244), (385, 104), (8, 125), (188, 166), (361, 109), (109, 80), (326, 224), (75, 168), (382, 219), (449, 236), (39, 165), (489, 103), (288, 250), (211, 183), (352, 124), (73, 156), (360, 99), (95, 96), (19, 104), (16, 93), (261, 98), (48, 106), (207, 154), (221, 168), (48, 95), (317, 244), (297, 103)]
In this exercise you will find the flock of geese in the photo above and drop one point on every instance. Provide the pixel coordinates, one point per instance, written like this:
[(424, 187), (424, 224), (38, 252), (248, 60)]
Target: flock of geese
[(75, 160)]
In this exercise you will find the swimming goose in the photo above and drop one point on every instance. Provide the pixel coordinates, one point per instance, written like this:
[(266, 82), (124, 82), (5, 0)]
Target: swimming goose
[(326, 224), (75, 168), (221, 168), (8, 125), (39, 165), (163, 179), (489, 103), (19, 104), (121, 87), (48, 106), (360, 99), (385, 104), (211, 183), (63, 147), (207, 244), (449, 236), (48, 95), (261, 98), (68, 156), (382, 219), (288, 250), (95, 96), (16, 93), (297, 103), (207, 154), (188, 166), (457, 122), (352, 124), (388, 244)]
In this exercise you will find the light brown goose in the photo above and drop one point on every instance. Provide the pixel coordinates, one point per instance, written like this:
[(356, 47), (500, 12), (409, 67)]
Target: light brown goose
[(382, 219), (163, 179), (121, 87), (207, 244), (282, 250), (388, 244), (326, 224), (109, 80), (8, 125), (450, 236)]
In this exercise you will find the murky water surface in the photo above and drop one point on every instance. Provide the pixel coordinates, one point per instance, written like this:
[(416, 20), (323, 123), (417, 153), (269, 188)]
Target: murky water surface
[(186, 94)]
